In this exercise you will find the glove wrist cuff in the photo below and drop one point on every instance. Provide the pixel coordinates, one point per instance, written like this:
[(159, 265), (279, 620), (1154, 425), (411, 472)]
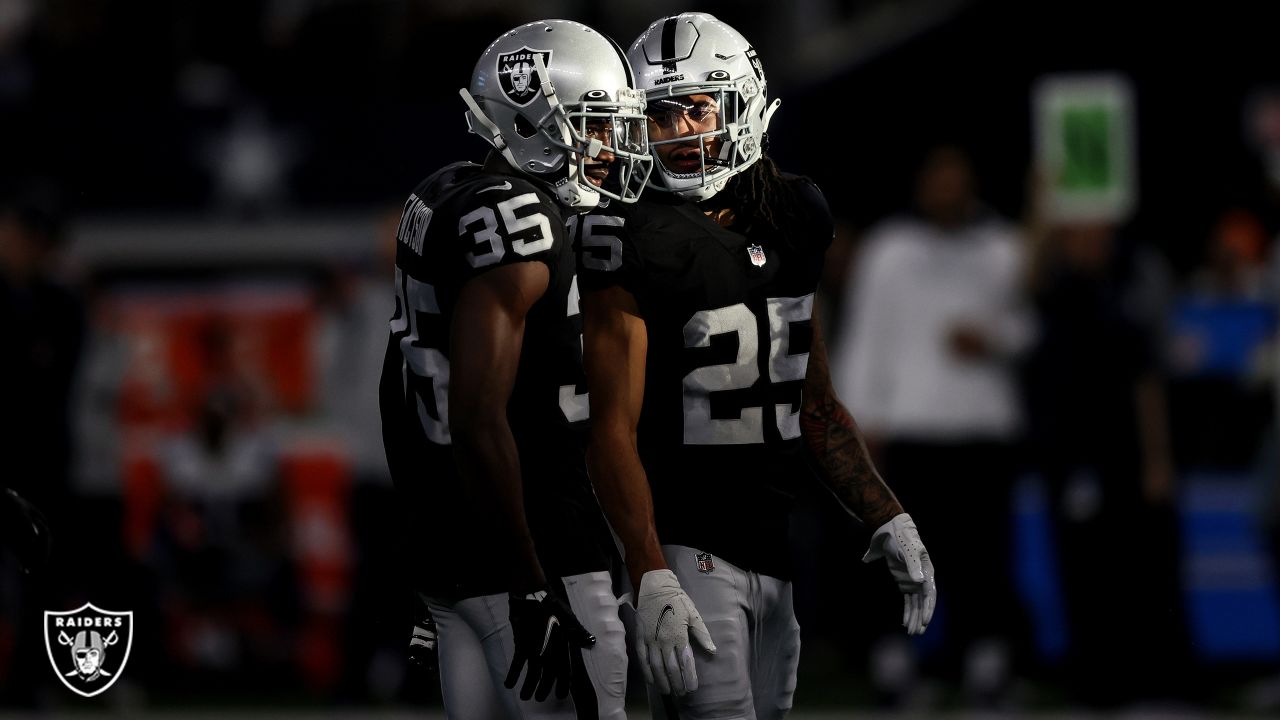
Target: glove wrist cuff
[(896, 519), (657, 580)]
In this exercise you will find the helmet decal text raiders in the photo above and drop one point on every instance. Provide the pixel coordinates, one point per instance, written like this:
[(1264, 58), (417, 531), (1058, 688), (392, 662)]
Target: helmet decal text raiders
[(518, 74), (88, 647)]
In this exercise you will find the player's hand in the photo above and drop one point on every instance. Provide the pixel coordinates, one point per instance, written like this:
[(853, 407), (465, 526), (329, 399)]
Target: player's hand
[(665, 620), (546, 632), (422, 644), (24, 530), (898, 542)]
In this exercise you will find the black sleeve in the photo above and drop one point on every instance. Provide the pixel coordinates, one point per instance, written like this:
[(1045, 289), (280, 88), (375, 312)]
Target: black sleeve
[(607, 255), (816, 221)]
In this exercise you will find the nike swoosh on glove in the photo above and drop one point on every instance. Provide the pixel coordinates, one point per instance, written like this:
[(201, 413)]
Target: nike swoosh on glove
[(898, 542), (546, 633), (665, 620)]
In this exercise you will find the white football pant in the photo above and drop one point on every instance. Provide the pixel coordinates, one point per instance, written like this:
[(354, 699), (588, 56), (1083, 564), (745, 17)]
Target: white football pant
[(476, 645)]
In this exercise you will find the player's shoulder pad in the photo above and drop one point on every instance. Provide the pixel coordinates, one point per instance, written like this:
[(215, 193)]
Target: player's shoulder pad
[(812, 213), (493, 190), (809, 197), (442, 178)]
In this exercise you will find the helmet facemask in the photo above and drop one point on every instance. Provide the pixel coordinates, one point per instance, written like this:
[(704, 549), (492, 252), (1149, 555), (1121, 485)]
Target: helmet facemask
[(599, 135), (712, 117)]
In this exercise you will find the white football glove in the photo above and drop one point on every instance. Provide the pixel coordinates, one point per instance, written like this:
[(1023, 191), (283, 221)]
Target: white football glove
[(665, 619), (898, 542)]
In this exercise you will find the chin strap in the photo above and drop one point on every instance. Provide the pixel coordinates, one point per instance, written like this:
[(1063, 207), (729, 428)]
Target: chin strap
[(491, 132), (548, 90), (578, 197)]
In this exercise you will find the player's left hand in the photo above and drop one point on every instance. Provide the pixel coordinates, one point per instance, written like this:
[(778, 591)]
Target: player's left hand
[(546, 634), (667, 625), (898, 542)]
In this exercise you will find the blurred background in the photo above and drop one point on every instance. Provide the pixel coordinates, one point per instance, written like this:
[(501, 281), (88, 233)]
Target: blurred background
[(1051, 304)]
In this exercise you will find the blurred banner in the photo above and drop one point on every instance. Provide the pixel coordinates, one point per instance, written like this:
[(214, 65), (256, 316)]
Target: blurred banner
[(1085, 146)]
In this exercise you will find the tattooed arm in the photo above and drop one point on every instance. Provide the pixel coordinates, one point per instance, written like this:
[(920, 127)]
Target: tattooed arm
[(837, 445), (846, 468)]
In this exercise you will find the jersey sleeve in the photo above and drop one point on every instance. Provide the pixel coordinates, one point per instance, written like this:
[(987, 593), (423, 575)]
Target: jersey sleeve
[(818, 226), (504, 221), (607, 256)]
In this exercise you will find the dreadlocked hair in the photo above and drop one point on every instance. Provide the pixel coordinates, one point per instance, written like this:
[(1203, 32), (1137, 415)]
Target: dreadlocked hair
[(760, 198)]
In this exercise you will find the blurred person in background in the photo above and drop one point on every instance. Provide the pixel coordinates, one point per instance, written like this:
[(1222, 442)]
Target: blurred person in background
[(43, 324), (228, 587), (936, 321), (710, 394), (483, 396), (1222, 335), (353, 342), (1222, 361), (1095, 385), (1261, 116)]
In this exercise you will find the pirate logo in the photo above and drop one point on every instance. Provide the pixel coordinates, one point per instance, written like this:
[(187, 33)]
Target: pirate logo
[(518, 74), (93, 645)]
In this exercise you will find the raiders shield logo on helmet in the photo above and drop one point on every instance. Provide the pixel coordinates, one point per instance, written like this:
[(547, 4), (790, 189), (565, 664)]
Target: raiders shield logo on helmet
[(518, 74), (88, 647)]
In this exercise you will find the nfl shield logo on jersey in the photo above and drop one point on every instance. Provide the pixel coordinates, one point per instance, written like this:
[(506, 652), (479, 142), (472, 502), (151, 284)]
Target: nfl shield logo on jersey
[(757, 255), (705, 563), (518, 74), (88, 647)]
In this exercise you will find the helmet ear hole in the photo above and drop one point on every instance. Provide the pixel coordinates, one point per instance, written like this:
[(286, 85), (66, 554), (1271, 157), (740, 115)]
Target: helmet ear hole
[(524, 128)]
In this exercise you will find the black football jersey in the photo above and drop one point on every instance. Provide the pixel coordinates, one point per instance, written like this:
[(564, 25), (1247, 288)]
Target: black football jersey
[(457, 224), (728, 318)]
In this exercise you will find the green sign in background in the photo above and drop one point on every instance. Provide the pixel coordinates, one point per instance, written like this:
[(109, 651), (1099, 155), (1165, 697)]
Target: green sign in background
[(1087, 152)]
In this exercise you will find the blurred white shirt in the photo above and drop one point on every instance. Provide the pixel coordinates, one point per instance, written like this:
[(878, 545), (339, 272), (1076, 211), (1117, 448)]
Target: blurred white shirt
[(913, 284)]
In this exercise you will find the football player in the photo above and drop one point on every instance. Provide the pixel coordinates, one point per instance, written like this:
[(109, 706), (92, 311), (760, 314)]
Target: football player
[(710, 393), (483, 399)]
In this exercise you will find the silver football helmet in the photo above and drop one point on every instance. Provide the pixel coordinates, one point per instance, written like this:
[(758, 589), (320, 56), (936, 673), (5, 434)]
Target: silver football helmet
[(558, 101), (707, 105)]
